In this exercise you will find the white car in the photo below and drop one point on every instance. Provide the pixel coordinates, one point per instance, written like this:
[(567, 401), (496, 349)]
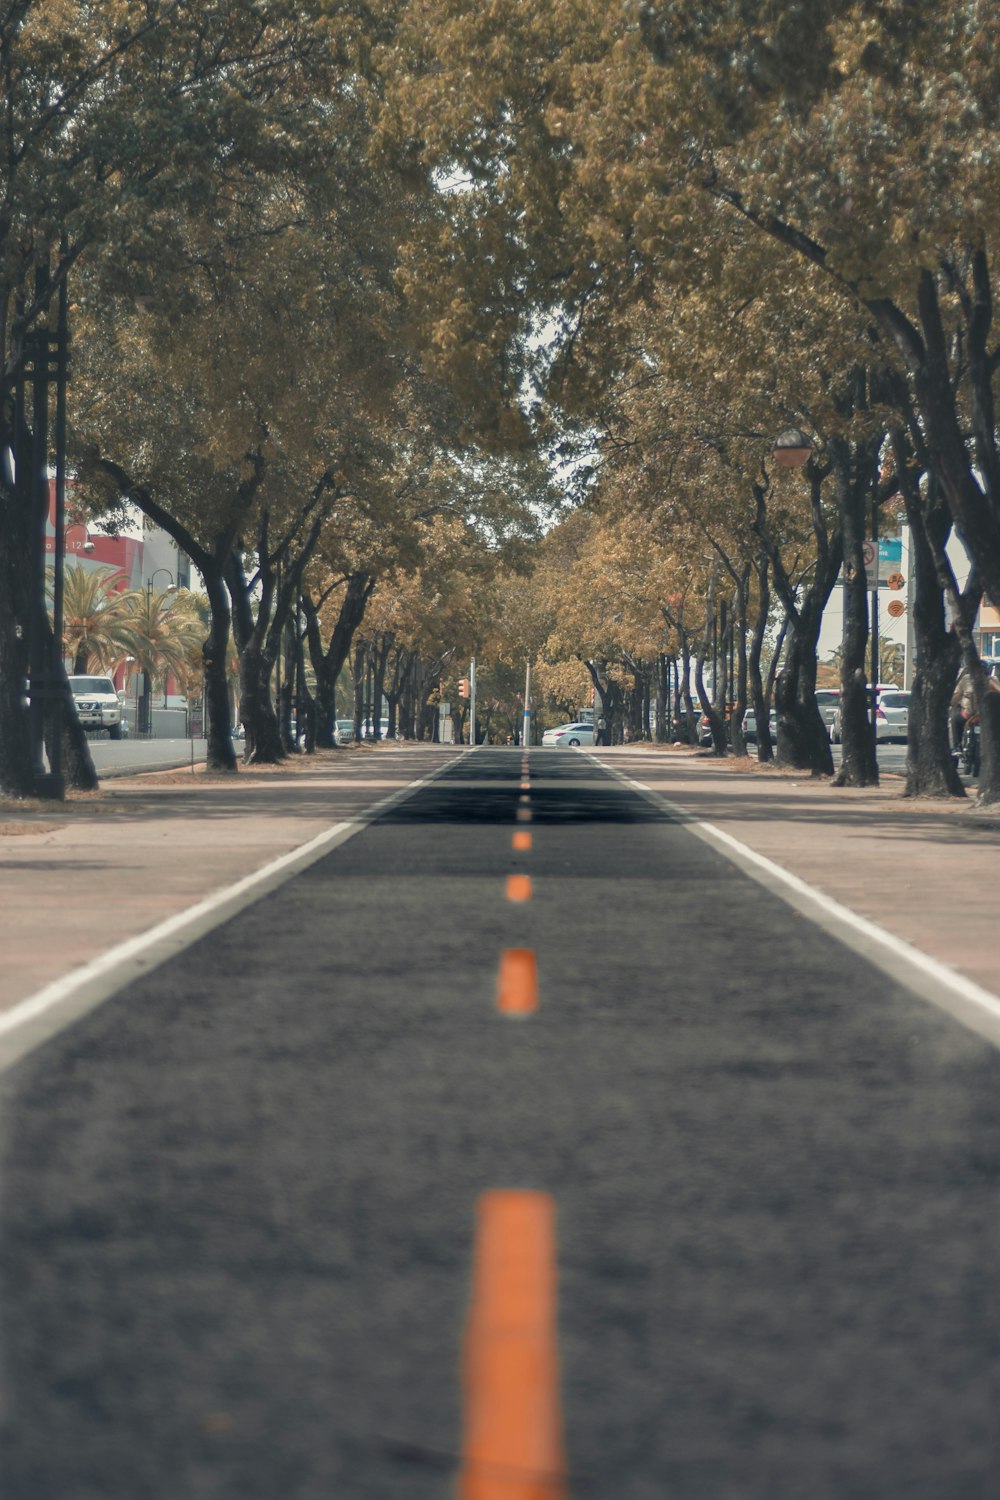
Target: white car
[(828, 703), (892, 716), (98, 705), (569, 734), (750, 725)]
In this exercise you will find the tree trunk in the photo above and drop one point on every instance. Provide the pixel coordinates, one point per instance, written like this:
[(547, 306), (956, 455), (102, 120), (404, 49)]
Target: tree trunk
[(662, 697), (220, 755), (17, 775), (709, 706), (803, 742), (930, 766), (360, 653), (989, 770), (760, 701), (609, 702), (286, 697), (262, 744), (327, 665), (408, 698), (308, 705), (947, 390), (255, 647), (690, 715), (394, 692), (858, 763), (77, 761), (739, 627), (380, 660)]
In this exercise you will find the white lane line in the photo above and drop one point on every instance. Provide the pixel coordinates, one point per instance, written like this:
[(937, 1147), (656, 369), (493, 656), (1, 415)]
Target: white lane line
[(57, 1005), (963, 999)]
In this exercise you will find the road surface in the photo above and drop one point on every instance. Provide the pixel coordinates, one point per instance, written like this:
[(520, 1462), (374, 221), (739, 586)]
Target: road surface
[(533, 1151), (127, 757)]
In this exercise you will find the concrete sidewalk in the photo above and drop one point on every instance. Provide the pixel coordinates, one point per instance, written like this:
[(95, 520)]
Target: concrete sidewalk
[(78, 878)]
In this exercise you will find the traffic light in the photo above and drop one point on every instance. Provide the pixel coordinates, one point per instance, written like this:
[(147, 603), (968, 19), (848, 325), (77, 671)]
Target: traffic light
[(463, 687)]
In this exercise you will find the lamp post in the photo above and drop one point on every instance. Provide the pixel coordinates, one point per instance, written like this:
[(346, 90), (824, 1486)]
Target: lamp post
[(146, 728), (791, 449)]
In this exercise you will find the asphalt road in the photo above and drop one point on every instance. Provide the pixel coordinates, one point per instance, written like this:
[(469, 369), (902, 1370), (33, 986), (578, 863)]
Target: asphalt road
[(127, 757), (244, 1222)]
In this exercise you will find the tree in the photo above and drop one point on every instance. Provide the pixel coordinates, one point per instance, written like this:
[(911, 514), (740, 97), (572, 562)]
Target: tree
[(119, 122), (96, 613), (695, 145), (160, 630), (905, 235)]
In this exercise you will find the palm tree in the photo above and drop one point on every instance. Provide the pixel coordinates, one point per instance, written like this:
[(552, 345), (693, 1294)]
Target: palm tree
[(95, 615), (161, 631)]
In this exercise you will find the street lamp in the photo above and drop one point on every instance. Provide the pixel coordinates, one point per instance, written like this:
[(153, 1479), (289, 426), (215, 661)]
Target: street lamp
[(147, 708), (791, 449)]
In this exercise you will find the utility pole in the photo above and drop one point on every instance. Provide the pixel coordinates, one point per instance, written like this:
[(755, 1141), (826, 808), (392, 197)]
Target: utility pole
[(526, 729), (472, 702)]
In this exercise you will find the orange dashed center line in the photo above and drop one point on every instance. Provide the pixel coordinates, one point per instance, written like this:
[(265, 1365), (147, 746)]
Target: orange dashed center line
[(513, 1444), (517, 982), (524, 815), (518, 887), (521, 840)]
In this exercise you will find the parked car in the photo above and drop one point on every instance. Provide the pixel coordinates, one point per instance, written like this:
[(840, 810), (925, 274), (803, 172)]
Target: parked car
[(98, 705), (750, 725), (343, 732), (569, 734), (892, 715), (828, 702)]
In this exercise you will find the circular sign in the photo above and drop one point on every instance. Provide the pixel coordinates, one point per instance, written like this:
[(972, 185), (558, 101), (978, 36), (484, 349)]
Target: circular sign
[(896, 581), (896, 607), (868, 553)]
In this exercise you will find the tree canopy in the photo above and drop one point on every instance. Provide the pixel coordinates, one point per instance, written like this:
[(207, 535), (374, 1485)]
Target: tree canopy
[(351, 279)]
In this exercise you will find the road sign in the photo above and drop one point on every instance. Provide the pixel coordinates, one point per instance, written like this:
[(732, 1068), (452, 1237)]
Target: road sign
[(868, 554), (895, 607), (896, 581)]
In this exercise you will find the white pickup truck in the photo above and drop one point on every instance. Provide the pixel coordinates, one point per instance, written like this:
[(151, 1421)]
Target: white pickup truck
[(98, 705)]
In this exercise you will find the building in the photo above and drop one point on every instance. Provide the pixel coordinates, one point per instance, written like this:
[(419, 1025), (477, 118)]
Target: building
[(144, 557), (895, 602)]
